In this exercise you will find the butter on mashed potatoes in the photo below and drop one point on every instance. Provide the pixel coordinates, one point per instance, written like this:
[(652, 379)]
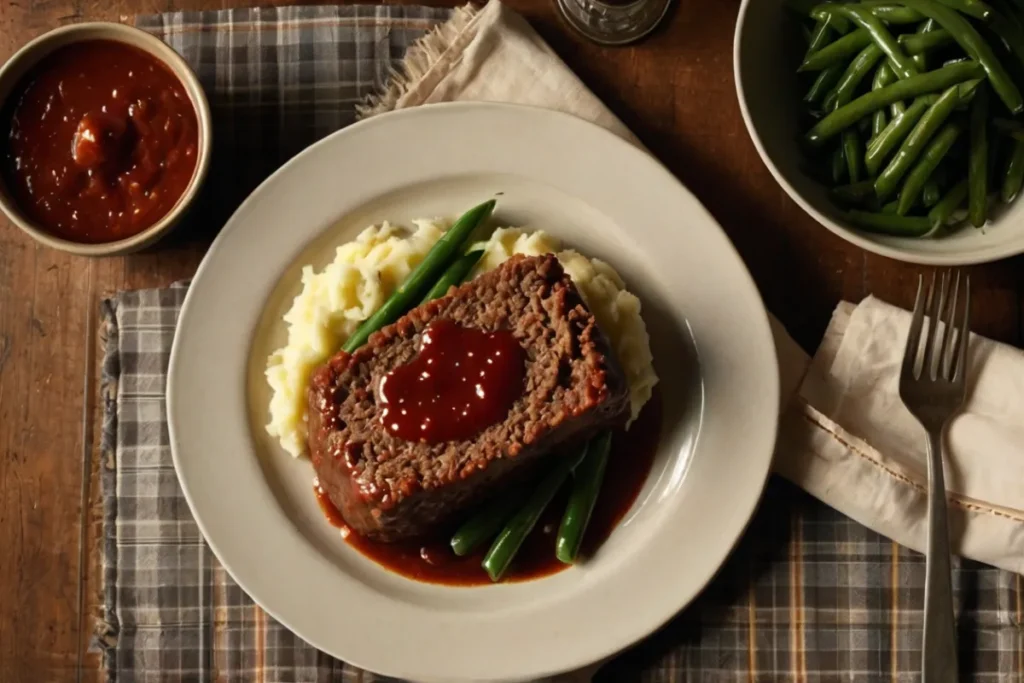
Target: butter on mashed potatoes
[(366, 271)]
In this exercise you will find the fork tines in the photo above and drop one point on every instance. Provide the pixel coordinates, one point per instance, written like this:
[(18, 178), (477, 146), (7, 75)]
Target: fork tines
[(945, 360)]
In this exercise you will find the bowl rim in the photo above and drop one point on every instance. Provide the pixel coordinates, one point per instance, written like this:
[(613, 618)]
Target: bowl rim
[(984, 255), (33, 51)]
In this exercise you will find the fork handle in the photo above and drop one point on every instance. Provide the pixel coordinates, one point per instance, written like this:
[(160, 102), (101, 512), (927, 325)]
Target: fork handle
[(938, 650)]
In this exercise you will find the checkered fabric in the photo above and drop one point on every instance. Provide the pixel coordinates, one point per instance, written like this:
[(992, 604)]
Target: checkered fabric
[(807, 596)]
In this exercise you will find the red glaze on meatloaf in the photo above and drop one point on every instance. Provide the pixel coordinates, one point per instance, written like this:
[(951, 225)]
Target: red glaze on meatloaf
[(389, 489)]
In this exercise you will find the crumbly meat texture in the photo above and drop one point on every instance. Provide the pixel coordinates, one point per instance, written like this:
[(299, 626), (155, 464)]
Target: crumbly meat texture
[(390, 489)]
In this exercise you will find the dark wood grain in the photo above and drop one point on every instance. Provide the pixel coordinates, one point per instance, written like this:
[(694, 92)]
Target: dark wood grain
[(44, 307), (675, 90)]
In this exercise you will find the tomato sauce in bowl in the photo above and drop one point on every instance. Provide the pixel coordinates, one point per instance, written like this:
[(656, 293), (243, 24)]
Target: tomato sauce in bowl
[(100, 141)]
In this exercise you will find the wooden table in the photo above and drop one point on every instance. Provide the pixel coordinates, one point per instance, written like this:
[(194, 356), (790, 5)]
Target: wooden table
[(675, 90)]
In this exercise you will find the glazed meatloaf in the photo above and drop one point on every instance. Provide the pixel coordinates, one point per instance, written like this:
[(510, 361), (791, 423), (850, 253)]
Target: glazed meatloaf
[(391, 489)]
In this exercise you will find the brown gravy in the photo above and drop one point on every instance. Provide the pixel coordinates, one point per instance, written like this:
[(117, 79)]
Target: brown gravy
[(629, 465)]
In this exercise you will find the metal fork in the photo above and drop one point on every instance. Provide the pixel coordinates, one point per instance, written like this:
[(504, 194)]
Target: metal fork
[(933, 387)]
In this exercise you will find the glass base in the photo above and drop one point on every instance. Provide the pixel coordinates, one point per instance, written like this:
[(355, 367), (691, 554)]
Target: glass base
[(613, 24)]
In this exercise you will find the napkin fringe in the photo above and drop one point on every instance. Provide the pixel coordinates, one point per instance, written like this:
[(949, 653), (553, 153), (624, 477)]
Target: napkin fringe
[(107, 624), (419, 59)]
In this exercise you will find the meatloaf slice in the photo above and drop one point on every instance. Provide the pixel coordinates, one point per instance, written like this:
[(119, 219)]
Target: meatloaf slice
[(390, 489)]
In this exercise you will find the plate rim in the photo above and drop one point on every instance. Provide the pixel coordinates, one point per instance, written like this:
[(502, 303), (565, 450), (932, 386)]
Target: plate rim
[(762, 331)]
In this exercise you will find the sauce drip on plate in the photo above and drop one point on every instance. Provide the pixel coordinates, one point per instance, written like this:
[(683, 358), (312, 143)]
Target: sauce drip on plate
[(100, 143), (462, 381), (433, 561)]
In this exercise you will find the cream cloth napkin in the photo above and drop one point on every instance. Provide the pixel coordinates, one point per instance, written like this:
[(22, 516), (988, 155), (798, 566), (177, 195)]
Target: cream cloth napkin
[(845, 436), (848, 440)]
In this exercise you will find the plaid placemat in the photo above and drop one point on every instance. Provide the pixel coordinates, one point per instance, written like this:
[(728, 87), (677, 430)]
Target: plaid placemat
[(808, 595)]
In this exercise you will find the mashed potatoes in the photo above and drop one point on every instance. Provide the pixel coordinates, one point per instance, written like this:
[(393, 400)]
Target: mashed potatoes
[(331, 305), (366, 271)]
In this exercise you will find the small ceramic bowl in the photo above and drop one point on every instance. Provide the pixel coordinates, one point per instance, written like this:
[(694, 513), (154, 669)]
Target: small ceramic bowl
[(767, 49), (27, 57)]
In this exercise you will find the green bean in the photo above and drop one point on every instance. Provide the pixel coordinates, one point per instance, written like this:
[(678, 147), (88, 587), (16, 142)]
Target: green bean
[(586, 487), (843, 117), (1008, 126), (890, 224), (890, 208), (827, 78), (838, 164), (930, 159), (966, 91), (864, 126), (883, 77), (921, 60), (916, 44), (977, 165), (931, 194), (890, 14), (830, 100), (855, 195), (836, 22), (881, 36), (1014, 176), (853, 154), (879, 120), (486, 523), (837, 51), (894, 15), (454, 276), (975, 46), (423, 276), (897, 130), (896, 108), (1010, 33), (506, 545), (957, 60), (820, 37), (972, 8), (952, 201), (888, 180), (855, 73)]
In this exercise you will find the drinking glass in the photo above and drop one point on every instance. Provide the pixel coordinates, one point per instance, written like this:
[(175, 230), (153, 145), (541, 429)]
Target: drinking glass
[(613, 22)]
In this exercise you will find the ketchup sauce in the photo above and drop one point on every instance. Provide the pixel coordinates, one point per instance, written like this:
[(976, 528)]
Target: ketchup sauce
[(100, 142), (462, 381)]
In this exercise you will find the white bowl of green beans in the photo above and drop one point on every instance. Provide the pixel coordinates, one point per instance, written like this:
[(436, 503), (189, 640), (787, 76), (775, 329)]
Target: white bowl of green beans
[(897, 124)]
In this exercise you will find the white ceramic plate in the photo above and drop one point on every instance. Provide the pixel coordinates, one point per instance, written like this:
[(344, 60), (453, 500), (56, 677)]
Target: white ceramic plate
[(712, 347)]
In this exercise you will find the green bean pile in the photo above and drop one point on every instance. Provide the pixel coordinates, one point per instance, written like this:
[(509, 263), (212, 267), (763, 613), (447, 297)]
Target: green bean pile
[(913, 108)]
